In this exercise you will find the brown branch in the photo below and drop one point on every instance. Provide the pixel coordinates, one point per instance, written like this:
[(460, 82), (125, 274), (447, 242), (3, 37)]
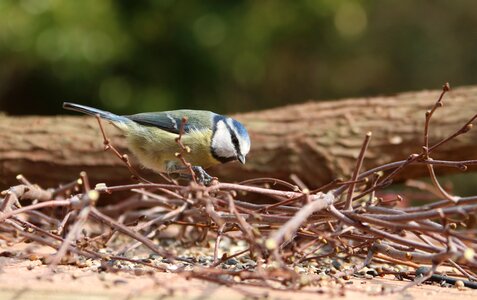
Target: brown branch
[(123, 157), (184, 149), (359, 163), (274, 228)]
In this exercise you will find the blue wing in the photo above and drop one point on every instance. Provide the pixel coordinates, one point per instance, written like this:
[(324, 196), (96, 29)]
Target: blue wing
[(171, 120)]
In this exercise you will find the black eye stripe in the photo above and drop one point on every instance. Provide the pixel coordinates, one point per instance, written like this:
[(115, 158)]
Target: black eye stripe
[(236, 143), (234, 138)]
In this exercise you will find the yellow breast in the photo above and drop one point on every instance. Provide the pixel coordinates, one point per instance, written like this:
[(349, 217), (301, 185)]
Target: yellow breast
[(156, 148)]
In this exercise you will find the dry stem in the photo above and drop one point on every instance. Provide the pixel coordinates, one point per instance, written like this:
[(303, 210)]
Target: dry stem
[(291, 229)]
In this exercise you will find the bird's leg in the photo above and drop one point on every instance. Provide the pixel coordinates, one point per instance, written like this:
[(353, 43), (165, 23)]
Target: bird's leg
[(201, 174)]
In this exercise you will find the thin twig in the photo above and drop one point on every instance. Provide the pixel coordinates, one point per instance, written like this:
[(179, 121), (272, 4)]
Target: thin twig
[(359, 163)]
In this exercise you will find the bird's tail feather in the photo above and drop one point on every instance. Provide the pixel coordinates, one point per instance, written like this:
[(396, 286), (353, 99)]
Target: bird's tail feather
[(94, 111)]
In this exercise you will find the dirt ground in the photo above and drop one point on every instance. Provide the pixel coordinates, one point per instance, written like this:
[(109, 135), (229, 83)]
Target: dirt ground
[(30, 279)]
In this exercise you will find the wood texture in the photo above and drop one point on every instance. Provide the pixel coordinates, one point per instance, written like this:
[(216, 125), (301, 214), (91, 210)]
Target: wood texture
[(317, 141)]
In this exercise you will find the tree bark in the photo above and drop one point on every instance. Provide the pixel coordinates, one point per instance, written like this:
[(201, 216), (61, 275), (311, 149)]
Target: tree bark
[(317, 141)]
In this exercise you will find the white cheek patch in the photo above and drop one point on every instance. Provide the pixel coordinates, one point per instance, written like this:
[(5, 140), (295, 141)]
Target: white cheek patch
[(243, 143), (222, 141)]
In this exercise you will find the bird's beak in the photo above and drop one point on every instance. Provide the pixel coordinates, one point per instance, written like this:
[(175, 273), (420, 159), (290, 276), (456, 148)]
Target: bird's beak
[(241, 158)]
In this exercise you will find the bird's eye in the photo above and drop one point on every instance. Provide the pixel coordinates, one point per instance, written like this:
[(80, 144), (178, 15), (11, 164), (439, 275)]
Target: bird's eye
[(234, 139)]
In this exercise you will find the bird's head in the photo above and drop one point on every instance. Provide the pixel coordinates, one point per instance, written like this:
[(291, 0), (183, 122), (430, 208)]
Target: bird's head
[(230, 140)]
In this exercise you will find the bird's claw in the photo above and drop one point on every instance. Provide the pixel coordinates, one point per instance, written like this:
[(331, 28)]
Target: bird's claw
[(202, 176)]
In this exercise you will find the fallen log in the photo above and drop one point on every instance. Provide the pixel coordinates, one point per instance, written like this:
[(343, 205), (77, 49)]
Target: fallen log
[(317, 141)]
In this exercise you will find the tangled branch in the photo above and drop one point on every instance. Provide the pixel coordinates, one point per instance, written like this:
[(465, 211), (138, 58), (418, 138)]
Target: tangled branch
[(290, 239)]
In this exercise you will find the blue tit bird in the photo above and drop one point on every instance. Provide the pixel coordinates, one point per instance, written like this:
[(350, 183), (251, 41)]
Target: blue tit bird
[(151, 137)]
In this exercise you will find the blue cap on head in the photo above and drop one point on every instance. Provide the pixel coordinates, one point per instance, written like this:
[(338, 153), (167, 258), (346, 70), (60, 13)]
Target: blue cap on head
[(241, 130)]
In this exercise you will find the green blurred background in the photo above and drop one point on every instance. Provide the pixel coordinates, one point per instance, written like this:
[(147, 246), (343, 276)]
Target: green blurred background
[(227, 56)]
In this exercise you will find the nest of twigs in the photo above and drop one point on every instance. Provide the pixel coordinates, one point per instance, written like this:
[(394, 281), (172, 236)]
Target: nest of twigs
[(295, 238)]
